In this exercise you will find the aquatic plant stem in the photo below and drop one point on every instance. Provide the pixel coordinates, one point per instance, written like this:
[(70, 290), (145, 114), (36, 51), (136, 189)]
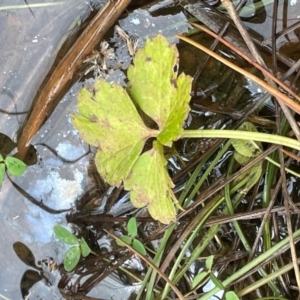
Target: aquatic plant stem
[(194, 228), (156, 260), (230, 207), (267, 279), (272, 161), (260, 259), (243, 135)]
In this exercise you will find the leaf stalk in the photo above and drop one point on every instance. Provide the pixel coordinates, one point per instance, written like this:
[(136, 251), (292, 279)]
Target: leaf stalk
[(243, 135)]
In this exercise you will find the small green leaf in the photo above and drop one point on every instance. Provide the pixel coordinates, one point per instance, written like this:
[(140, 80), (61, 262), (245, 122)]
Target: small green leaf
[(199, 278), (132, 226), (126, 239), (2, 172), (119, 243), (71, 259), (241, 159), (65, 235), (139, 247), (156, 89), (84, 247), (109, 121), (231, 296), (245, 147), (15, 166), (216, 281), (1, 158), (209, 262), (150, 184)]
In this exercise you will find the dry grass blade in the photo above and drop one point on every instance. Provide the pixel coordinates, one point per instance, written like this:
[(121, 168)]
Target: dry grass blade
[(35, 5), (255, 214), (247, 58), (290, 154), (288, 217), (244, 33), (273, 91), (147, 261)]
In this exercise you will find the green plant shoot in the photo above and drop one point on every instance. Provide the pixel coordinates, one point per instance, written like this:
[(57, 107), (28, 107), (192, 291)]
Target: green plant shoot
[(245, 151), (130, 239), (203, 276), (14, 166), (79, 247), (132, 227), (108, 119)]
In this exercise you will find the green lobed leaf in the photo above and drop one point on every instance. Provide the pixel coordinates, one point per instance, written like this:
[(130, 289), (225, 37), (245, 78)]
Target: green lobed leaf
[(245, 147), (15, 166), (2, 172), (109, 120), (84, 247), (179, 108), (65, 235), (139, 247), (71, 258), (156, 89), (231, 296), (199, 278), (132, 226), (150, 185)]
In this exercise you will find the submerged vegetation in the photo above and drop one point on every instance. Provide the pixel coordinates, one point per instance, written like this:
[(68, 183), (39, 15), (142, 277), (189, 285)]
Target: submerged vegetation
[(200, 232), (225, 215)]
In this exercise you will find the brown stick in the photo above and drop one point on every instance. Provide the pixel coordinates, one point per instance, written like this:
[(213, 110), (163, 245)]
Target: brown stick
[(53, 91)]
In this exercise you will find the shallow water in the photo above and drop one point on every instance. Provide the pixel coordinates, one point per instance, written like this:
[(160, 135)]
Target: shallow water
[(287, 15), (28, 48), (28, 51)]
